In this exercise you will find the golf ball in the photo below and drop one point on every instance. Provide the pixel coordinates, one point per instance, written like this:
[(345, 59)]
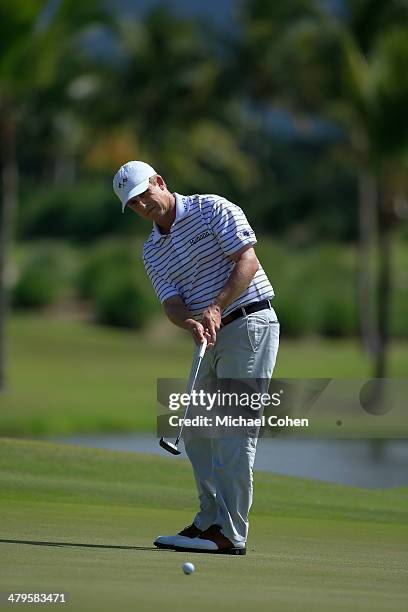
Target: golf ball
[(188, 568)]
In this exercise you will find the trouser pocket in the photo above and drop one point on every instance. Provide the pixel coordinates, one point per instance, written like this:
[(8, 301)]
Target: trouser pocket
[(259, 328)]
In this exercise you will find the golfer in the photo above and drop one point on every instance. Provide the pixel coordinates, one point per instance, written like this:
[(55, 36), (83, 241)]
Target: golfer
[(202, 265)]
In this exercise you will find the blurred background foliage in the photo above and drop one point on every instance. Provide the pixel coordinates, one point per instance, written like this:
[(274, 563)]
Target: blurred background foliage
[(295, 110)]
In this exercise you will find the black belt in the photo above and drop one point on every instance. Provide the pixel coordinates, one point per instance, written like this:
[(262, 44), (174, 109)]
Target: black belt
[(243, 311)]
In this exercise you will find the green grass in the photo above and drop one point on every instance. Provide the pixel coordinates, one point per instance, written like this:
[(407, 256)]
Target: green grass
[(67, 377), (313, 546)]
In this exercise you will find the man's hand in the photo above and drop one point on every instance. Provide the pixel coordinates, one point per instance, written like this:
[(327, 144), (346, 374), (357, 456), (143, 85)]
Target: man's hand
[(197, 331), (211, 323)]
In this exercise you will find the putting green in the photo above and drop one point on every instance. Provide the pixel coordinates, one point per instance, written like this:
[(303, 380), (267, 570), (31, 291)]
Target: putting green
[(82, 521)]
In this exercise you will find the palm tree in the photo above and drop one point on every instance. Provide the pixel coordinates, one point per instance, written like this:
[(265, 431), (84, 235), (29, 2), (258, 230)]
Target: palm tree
[(35, 39), (373, 53), (352, 68), (18, 23)]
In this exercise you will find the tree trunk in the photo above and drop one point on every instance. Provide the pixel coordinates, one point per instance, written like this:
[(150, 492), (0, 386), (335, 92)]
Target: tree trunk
[(384, 286), (367, 305), (9, 175)]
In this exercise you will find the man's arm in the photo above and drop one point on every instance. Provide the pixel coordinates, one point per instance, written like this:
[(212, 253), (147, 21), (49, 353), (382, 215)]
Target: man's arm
[(246, 266), (179, 314)]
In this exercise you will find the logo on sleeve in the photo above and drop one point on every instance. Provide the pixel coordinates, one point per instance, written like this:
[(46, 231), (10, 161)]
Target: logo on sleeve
[(245, 233), (200, 237)]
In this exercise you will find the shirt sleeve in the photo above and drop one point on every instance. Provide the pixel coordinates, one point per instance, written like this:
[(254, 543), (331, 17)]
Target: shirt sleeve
[(231, 227), (164, 290)]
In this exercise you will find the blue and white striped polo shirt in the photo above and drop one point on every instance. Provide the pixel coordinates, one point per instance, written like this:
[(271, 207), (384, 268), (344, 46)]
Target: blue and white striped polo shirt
[(192, 261)]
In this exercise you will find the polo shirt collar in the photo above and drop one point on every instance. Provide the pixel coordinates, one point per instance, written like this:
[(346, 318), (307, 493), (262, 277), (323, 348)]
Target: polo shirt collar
[(182, 210)]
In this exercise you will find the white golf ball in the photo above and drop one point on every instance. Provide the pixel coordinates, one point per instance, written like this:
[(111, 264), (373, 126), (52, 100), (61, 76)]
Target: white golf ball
[(188, 568)]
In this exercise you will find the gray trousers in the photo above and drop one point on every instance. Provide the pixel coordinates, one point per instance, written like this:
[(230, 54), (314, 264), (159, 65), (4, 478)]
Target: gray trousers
[(223, 467)]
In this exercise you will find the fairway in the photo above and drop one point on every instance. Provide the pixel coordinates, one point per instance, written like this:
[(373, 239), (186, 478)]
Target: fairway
[(82, 521), (86, 379)]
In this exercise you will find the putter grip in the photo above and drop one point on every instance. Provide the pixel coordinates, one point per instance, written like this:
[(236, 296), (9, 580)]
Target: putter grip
[(203, 346)]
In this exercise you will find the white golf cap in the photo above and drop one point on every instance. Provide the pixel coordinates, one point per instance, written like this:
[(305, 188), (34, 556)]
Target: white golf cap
[(131, 180)]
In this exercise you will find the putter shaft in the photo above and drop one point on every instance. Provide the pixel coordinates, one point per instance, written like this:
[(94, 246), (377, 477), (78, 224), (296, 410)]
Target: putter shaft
[(198, 357)]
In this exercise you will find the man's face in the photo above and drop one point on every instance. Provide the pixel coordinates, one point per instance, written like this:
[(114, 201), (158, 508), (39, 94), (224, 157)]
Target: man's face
[(153, 203)]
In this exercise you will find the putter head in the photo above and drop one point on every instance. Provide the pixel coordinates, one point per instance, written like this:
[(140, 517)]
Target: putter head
[(169, 447)]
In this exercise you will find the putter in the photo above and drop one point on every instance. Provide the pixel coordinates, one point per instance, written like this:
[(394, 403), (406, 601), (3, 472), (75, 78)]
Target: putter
[(198, 357)]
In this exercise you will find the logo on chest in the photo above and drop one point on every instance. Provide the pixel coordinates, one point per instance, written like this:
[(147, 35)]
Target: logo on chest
[(200, 237)]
